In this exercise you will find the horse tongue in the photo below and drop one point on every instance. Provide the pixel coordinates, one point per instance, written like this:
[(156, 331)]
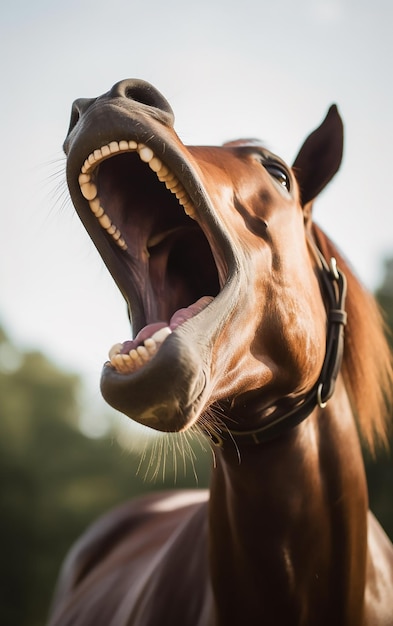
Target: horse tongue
[(179, 317), (144, 333), (182, 315)]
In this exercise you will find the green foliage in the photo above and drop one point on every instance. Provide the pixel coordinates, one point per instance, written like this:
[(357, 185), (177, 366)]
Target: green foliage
[(380, 470), (54, 481), (385, 298)]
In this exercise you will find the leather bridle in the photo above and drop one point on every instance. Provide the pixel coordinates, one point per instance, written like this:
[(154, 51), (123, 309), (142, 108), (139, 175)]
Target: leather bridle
[(333, 286)]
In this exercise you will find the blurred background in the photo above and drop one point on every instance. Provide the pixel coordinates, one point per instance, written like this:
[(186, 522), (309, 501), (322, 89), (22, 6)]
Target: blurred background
[(229, 69)]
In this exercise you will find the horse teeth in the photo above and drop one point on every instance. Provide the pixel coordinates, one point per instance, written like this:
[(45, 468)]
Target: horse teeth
[(137, 357), (160, 335), (84, 178), (121, 243), (116, 349), (150, 346), (155, 164), (113, 360), (105, 221), (171, 183), (121, 363), (128, 364), (143, 353), (89, 189), (188, 210), (145, 154), (162, 173), (96, 208), (114, 147), (95, 205)]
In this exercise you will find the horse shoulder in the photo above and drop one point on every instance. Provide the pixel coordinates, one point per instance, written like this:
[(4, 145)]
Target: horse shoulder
[(114, 571), (379, 588)]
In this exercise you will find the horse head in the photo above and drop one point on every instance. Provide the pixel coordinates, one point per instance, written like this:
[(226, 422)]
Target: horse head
[(212, 248), (236, 300)]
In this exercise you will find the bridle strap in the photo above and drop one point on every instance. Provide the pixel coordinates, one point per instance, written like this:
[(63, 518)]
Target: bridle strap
[(333, 285)]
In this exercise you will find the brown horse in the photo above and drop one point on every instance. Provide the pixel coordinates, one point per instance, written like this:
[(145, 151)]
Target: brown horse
[(237, 304)]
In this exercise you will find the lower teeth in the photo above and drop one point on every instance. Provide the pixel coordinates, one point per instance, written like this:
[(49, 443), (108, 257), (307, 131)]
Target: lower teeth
[(131, 356), (137, 357)]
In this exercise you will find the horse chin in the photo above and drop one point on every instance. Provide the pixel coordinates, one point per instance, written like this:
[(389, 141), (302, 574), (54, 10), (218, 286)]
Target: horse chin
[(167, 393), (169, 389)]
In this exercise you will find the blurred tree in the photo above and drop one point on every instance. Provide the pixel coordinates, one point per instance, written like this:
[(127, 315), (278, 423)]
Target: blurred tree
[(380, 470), (385, 297), (54, 481)]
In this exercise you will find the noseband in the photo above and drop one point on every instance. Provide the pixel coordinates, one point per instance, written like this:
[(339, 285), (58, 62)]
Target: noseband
[(333, 287)]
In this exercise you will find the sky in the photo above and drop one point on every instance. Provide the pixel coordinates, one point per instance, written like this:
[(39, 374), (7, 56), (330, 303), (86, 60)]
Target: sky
[(229, 69)]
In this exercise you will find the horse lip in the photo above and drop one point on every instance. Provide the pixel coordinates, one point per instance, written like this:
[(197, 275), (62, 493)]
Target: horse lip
[(172, 405)]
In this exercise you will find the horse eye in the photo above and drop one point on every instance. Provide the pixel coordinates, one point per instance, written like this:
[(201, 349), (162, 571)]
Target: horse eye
[(279, 173)]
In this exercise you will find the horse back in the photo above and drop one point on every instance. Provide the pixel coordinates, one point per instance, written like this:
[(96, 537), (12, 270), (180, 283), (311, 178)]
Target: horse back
[(143, 563)]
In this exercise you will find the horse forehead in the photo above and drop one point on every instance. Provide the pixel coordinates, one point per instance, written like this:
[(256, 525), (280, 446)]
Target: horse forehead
[(233, 159), (245, 143)]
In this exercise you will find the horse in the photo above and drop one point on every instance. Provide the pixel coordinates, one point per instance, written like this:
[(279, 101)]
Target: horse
[(250, 327)]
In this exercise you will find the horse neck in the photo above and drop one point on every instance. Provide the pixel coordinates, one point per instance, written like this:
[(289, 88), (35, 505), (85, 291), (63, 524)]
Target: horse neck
[(288, 525)]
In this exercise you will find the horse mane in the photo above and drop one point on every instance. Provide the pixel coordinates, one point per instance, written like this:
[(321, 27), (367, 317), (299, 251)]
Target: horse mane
[(367, 363)]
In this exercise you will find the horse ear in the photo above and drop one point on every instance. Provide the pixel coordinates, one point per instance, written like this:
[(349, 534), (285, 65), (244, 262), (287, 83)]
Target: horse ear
[(320, 156)]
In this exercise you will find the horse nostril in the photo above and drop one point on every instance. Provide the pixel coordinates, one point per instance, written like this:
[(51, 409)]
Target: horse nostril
[(79, 108), (144, 93)]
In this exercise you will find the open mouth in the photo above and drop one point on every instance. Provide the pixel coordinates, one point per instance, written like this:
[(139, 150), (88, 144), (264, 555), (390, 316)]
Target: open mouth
[(153, 225), (143, 197)]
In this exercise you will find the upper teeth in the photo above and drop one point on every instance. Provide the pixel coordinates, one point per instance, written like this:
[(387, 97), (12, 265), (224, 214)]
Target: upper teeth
[(89, 188)]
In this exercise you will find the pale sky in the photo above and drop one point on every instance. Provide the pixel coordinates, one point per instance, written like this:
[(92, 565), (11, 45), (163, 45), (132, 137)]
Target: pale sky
[(229, 69)]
